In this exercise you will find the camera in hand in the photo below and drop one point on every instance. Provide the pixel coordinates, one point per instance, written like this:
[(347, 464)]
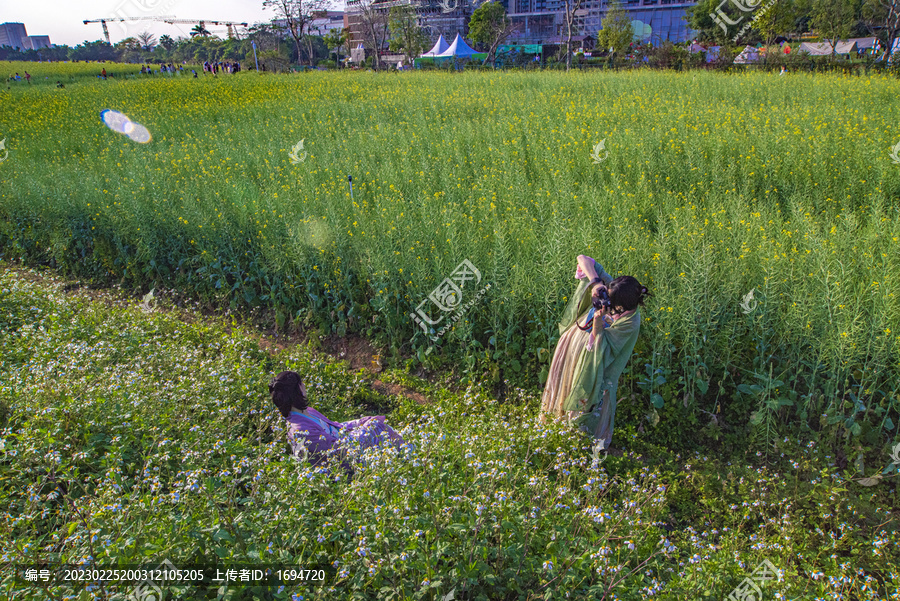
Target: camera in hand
[(601, 301)]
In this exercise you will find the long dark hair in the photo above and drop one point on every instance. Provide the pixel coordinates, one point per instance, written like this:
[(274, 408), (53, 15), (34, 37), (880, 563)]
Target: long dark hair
[(627, 292), (285, 391)]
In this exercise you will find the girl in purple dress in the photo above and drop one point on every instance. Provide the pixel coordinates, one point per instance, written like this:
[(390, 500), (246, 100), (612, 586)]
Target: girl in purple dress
[(312, 432)]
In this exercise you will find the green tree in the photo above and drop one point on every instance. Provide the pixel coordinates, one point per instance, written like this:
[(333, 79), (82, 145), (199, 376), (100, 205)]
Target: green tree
[(166, 42), (406, 34), (882, 19), (372, 18), (490, 26), (617, 32), (335, 39), (571, 9), (200, 31), (779, 19), (295, 16), (147, 40), (101, 50), (835, 19)]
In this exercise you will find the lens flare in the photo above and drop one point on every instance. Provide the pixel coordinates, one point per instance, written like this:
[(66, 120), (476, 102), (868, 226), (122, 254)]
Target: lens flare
[(119, 123)]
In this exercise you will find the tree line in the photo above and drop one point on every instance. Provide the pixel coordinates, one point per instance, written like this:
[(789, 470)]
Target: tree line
[(291, 38)]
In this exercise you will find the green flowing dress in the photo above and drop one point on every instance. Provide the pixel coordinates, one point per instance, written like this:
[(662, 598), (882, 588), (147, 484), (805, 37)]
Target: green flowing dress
[(583, 381)]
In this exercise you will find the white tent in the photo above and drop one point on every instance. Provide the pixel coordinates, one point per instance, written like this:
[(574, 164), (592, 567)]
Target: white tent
[(845, 47), (458, 48), (824, 48), (748, 55), (863, 43), (438, 48), (815, 48)]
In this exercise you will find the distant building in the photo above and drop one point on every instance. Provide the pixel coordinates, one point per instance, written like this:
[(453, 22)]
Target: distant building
[(326, 21), (541, 22), (655, 21), (36, 42), (322, 23), (13, 34), (436, 17)]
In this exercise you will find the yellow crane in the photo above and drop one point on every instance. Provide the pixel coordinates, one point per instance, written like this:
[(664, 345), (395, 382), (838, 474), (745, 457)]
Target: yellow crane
[(170, 20)]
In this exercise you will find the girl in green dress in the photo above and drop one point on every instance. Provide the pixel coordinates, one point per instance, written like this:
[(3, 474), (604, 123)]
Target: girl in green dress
[(596, 341)]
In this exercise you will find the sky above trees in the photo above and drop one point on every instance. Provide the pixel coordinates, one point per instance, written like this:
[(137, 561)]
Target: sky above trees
[(62, 19)]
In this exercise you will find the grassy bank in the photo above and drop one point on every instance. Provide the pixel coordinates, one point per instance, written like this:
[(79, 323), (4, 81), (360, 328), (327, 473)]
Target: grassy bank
[(129, 437)]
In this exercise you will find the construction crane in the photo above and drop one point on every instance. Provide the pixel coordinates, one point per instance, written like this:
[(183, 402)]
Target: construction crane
[(170, 20)]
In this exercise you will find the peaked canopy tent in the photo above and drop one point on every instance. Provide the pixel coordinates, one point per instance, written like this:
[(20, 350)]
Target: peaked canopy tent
[(440, 46), (458, 48)]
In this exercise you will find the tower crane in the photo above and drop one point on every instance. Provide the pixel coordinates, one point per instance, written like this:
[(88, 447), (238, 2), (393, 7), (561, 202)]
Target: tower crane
[(231, 25)]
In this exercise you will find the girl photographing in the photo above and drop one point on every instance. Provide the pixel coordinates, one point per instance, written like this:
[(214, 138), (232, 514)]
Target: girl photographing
[(598, 331)]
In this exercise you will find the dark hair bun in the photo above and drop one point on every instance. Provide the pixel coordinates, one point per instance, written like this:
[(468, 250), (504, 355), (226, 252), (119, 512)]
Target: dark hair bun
[(627, 292)]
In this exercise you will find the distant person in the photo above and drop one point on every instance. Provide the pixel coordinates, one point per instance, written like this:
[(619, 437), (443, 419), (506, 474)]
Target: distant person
[(315, 432), (59, 84), (28, 77), (103, 73), (18, 77), (194, 72), (783, 71)]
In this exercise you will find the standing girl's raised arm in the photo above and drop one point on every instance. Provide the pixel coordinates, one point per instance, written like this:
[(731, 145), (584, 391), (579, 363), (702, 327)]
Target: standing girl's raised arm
[(592, 269)]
